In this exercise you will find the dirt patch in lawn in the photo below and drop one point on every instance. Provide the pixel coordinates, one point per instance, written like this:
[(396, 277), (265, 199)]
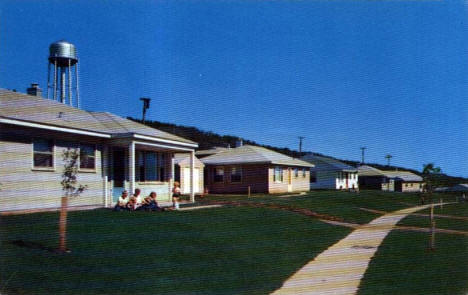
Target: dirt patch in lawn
[(33, 245), (303, 211)]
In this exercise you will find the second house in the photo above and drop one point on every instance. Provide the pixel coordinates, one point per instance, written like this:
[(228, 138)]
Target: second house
[(264, 171)]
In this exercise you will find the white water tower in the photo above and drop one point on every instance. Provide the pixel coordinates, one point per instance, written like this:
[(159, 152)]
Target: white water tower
[(62, 58)]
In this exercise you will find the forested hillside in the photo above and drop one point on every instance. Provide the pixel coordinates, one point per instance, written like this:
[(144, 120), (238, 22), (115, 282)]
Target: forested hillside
[(208, 139)]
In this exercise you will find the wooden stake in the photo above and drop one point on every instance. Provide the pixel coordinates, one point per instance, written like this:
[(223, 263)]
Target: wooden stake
[(248, 194), (63, 225), (432, 228)]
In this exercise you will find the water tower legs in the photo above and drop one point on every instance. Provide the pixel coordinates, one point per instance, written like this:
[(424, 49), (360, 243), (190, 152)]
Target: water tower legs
[(62, 84), (70, 84), (55, 80)]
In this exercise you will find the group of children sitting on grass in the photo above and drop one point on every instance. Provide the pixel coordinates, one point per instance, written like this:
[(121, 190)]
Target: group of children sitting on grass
[(149, 203)]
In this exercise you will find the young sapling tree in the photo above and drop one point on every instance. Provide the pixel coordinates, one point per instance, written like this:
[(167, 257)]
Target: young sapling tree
[(71, 188)]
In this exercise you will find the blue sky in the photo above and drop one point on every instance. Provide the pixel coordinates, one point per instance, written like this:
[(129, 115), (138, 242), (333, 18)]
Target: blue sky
[(390, 75)]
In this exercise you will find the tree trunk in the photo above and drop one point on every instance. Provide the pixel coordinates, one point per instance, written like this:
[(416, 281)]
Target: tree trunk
[(63, 225)]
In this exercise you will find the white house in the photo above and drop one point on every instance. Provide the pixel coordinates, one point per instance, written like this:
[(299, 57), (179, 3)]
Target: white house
[(330, 173), (114, 154)]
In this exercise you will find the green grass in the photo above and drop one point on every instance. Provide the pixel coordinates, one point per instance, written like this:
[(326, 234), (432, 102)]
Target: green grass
[(215, 251), (231, 250), (339, 203), (458, 209), (404, 265)]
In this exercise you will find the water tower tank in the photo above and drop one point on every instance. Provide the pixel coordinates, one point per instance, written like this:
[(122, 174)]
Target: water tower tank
[(62, 59), (63, 52)]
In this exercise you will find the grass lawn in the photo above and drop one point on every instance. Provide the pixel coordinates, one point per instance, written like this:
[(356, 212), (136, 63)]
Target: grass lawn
[(459, 209), (403, 265), (339, 203), (230, 250), (214, 251)]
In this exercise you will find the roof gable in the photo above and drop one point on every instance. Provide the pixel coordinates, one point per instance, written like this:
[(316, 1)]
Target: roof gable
[(401, 175), (32, 109), (327, 164), (118, 125), (249, 154)]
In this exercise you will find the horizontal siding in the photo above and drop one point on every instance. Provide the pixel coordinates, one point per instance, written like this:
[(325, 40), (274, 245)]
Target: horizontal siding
[(412, 187), (298, 184), (201, 182), (24, 188), (255, 176), (325, 180)]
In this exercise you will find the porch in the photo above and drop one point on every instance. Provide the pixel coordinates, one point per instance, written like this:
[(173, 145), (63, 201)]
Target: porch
[(148, 166)]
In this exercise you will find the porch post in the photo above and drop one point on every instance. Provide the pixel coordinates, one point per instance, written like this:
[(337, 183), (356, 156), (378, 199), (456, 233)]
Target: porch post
[(105, 174), (192, 172), (171, 175), (172, 167), (131, 167)]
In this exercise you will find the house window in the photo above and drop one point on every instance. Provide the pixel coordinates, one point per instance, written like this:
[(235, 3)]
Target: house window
[(149, 166), (296, 172), (303, 172), (236, 174), (278, 174), (161, 166), (313, 176), (218, 174), (87, 156), (43, 153)]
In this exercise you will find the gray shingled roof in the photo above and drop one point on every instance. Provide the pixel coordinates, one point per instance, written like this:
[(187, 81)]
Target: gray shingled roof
[(462, 187), (402, 175), (365, 170), (183, 159), (327, 164), (27, 108), (118, 125), (249, 154), (212, 151)]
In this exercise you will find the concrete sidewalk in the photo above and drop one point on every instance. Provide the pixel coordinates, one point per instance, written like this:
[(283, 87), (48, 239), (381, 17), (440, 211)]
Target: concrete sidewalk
[(340, 268)]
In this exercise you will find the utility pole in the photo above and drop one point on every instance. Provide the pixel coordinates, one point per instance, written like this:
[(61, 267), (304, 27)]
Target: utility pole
[(388, 157), (363, 148), (146, 105), (300, 144)]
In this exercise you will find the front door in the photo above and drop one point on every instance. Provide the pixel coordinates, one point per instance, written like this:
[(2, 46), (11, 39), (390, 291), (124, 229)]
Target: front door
[(118, 173)]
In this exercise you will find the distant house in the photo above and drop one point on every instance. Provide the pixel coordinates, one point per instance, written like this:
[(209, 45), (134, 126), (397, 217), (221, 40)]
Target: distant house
[(264, 171), (399, 181), (462, 187), (182, 173), (330, 173), (115, 154)]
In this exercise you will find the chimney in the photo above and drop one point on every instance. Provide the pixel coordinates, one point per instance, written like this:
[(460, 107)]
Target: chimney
[(34, 90)]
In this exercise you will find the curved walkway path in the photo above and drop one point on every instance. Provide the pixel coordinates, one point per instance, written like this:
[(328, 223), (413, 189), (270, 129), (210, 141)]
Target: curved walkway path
[(340, 268)]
